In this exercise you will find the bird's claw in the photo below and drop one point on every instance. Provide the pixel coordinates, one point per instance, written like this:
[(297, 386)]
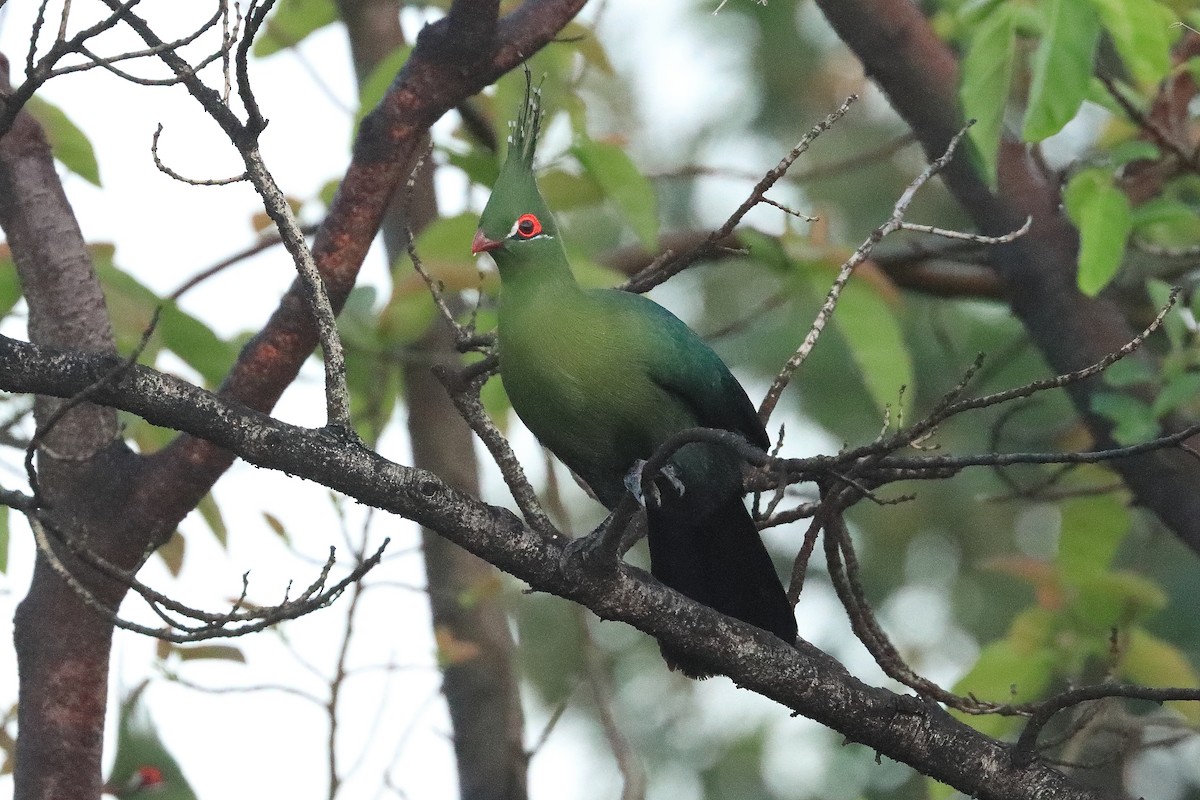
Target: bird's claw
[(633, 482), (582, 549), (593, 550)]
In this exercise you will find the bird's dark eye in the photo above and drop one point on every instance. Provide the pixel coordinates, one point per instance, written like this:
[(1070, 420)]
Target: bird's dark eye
[(528, 226)]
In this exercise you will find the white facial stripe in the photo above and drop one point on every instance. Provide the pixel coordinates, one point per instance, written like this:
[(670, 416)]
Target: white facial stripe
[(541, 235)]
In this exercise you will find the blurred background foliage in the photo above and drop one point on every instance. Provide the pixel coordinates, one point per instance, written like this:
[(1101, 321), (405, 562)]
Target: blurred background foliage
[(1000, 583)]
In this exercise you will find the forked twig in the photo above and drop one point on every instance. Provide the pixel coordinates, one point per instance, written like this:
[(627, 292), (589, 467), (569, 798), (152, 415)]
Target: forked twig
[(894, 223), (667, 264)]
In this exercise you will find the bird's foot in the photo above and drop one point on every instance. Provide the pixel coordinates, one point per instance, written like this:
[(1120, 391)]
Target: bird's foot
[(582, 550), (594, 549), (601, 550), (633, 483)]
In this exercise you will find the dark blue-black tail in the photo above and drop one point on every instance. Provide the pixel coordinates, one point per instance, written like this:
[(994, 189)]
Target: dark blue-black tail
[(718, 560)]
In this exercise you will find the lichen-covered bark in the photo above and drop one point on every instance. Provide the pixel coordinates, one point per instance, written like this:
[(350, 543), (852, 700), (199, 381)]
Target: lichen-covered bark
[(804, 679)]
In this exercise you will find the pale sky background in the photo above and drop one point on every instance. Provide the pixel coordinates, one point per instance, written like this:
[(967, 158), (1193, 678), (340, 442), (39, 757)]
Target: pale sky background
[(270, 744)]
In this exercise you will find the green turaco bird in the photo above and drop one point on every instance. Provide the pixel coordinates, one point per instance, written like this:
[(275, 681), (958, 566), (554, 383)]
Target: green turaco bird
[(143, 767), (602, 377)]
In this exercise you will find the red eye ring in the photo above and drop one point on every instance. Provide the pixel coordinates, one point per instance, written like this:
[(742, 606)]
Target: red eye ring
[(146, 777), (528, 226)]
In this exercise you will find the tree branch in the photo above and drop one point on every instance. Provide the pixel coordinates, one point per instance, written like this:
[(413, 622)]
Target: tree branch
[(431, 82), (804, 679), (919, 74)]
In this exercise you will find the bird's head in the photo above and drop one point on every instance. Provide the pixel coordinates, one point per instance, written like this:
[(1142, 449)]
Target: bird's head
[(516, 221)]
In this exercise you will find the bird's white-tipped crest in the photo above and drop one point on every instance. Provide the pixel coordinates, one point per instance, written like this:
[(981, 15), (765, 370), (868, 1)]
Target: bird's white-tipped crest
[(523, 132)]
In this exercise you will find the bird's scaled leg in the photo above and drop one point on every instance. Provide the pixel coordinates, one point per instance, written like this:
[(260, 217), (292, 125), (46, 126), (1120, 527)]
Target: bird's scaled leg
[(606, 543), (633, 482)]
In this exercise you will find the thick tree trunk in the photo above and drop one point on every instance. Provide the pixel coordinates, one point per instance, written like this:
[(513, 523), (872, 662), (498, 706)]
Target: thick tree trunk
[(92, 487), (84, 477), (919, 74), (480, 683)]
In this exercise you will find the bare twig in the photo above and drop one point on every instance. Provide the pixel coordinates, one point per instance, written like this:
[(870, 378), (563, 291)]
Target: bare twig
[(244, 136), (1042, 712), (464, 392), (264, 243), (1157, 133), (894, 223), (163, 168), (667, 264), (39, 70), (234, 622)]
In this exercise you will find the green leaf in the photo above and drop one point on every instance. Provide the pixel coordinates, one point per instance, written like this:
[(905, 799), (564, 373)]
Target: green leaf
[(1115, 599), (1134, 150), (447, 239), (766, 250), (1173, 324), (10, 284), (292, 21), (1099, 94), (1150, 661), (1005, 673), (221, 652), (481, 166), (132, 306), (1179, 391), (1141, 32), (408, 313), (276, 525), (71, 147), (358, 323), (1032, 630), (986, 77), (210, 512), (564, 191), (196, 343), (1134, 420), (876, 341), (588, 44), (1194, 305), (328, 190), (1161, 210), (1092, 530), (620, 180), (1017, 668), (1130, 372), (1102, 213), (589, 273), (172, 553), (1062, 67), (374, 384), (936, 790)]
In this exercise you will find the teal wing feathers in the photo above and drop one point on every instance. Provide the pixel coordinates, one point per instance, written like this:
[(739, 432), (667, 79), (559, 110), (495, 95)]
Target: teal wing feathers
[(688, 369)]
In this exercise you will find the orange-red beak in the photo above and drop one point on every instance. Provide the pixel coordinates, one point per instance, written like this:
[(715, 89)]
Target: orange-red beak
[(482, 244)]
